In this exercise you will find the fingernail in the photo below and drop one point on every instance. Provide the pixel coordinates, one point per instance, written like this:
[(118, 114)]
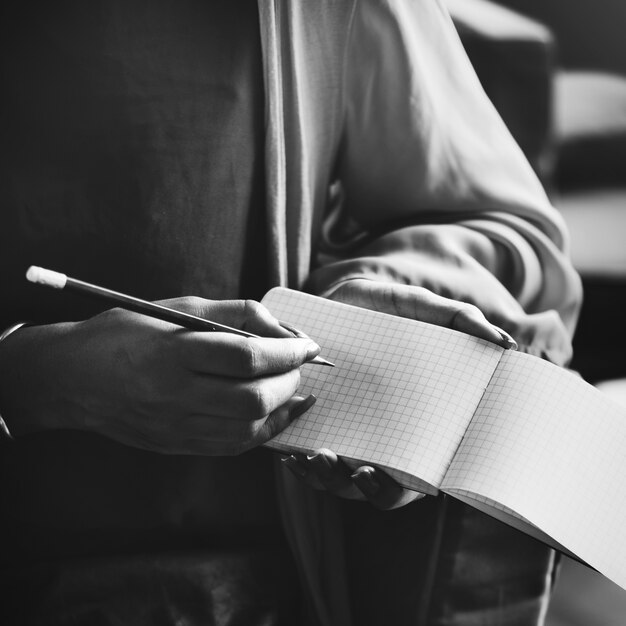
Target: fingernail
[(294, 466), (293, 330), (366, 481), (321, 466), (302, 407), (507, 341), (312, 350)]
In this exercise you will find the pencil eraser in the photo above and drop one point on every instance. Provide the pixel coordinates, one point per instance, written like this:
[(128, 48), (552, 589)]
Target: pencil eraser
[(46, 277)]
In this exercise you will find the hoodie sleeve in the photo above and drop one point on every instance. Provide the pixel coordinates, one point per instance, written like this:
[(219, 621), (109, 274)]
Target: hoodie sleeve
[(434, 186)]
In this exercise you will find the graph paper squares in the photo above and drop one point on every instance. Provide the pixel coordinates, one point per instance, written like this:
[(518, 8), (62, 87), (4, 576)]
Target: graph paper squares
[(402, 392), (521, 438)]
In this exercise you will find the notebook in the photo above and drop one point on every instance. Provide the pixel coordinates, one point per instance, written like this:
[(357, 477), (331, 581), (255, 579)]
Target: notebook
[(508, 433)]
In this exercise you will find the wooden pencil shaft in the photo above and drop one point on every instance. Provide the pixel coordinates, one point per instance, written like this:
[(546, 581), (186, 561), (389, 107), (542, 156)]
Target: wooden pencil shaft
[(57, 280), (152, 309)]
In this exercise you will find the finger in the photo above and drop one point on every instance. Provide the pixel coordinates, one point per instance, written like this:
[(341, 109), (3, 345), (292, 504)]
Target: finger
[(223, 436), (296, 332), (229, 312), (332, 473), (322, 470), (297, 465), (470, 320), (507, 340), (317, 473), (239, 399), (381, 490), (258, 320), (246, 315), (422, 304), (282, 417), (225, 354)]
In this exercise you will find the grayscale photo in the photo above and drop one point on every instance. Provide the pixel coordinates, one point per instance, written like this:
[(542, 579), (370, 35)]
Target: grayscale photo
[(312, 313)]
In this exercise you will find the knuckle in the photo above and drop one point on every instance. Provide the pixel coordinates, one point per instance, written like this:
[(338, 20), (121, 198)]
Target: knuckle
[(468, 311), (422, 293), (256, 402), (249, 359), (191, 304), (264, 403), (253, 309), (553, 318)]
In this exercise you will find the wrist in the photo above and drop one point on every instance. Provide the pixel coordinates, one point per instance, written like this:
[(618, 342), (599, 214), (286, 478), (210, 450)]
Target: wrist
[(28, 379), (13, 328)]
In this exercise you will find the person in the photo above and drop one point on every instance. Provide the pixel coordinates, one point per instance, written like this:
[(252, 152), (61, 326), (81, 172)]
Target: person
[(212, 149)]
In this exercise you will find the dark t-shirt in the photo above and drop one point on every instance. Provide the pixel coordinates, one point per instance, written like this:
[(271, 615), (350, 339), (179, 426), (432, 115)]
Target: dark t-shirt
[(132, 150)]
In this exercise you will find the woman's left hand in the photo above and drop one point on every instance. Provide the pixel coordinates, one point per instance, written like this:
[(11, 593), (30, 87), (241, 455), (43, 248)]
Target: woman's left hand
[(323, 470)]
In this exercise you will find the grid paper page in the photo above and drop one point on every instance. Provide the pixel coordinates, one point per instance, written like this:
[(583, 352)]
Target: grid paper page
[(552, 448), (401, 394)]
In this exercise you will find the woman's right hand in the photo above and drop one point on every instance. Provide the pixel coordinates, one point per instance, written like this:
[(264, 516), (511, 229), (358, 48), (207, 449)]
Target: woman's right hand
[(153, 385)]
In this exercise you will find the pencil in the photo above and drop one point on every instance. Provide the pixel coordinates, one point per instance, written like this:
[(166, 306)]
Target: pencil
[(57, 280)]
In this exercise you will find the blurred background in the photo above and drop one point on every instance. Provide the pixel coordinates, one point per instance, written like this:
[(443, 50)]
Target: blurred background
[(556, 71)]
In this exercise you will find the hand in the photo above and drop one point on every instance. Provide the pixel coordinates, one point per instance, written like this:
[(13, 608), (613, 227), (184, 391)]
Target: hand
[(154, 385), (421, 304), (323, 470)]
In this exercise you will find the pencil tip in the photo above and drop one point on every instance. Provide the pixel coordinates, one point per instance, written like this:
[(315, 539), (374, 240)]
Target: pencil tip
[(318, 360)]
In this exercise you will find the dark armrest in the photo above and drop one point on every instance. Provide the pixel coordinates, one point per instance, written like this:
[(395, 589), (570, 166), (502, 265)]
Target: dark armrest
[(514, 57)]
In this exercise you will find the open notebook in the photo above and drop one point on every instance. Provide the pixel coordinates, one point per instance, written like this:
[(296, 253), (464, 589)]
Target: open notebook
[(510, 434)]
